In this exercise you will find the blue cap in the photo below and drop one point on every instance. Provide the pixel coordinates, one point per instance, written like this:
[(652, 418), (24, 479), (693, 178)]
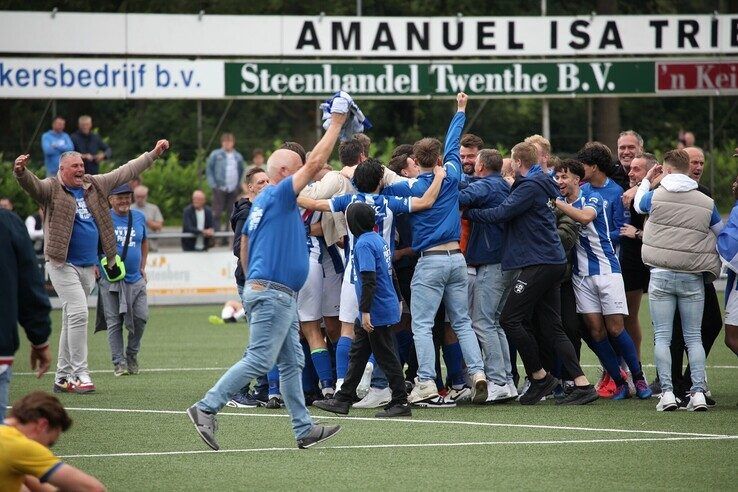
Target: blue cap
[(121, 190)]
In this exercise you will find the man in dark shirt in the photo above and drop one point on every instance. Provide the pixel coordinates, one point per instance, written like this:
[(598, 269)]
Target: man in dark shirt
[(90, 145)]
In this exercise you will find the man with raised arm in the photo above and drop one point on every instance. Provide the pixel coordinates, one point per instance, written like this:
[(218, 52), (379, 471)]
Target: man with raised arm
[(441, 273), (277, 269)]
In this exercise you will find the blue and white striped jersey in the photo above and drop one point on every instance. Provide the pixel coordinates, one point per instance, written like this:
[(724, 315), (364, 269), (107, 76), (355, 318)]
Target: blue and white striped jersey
[(594, 254)]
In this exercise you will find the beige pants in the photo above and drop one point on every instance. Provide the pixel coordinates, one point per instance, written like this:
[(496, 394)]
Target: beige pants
[(72, 284)]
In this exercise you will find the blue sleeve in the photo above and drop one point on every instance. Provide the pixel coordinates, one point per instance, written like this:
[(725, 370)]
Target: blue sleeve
[(595, 202), (519, 201), (645, 204), (139, 218), (401, 188), (470, 196), (285, 194), (452, 145), (340, 203), (364, 258), (46, 144), (68, 141), (399, 205), (618, 220), (715, 218)]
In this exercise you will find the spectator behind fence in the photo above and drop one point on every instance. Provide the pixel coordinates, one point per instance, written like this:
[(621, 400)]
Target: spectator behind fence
[(197, 219), (23, 300), (35, 228), (224, 171), (54, 143), (90, 145), (257, 158), (154, 219), (34, 425), (76, 221)]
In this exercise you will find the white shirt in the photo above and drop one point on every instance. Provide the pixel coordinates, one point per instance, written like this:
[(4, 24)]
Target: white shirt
[(200, 241), (231, 172)]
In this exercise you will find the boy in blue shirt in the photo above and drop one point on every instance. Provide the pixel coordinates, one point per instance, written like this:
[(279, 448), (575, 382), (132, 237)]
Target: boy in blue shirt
[(379, 308), (124, 302)]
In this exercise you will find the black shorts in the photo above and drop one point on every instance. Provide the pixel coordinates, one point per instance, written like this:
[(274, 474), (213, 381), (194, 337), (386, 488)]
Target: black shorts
[(636, 276)]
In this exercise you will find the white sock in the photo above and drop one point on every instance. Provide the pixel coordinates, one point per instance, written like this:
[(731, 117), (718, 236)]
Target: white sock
[(227, 312)]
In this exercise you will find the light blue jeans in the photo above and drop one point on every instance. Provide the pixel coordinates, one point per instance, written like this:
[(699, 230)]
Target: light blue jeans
[(442, 278), (491, 288), (667, 292), (5, 391), (274, 337)]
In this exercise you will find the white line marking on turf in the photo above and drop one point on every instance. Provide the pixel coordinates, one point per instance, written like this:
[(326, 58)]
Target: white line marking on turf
[(190, 369), (416, 421), (408, 445)]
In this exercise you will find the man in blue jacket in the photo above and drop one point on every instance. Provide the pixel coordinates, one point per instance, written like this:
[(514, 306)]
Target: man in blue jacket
[(54, 143), (530, 242), (441, 271), (492, 285)]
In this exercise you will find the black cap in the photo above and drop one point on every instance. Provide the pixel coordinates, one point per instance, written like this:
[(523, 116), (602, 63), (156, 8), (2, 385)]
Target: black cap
[(360, 218)]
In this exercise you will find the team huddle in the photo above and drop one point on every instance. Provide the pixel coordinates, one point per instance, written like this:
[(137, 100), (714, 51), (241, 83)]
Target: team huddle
[(453, 254)]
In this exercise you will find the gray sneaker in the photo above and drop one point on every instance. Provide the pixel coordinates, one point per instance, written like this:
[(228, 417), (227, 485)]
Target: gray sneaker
[(205, 425), (120, 369), (132, 364), (317, 434)]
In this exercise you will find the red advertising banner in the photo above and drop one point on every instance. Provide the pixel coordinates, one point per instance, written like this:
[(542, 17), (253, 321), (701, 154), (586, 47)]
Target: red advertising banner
[(704, 76)]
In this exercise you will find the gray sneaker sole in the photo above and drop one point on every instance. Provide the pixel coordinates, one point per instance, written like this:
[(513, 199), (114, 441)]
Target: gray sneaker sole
[(479, 393)]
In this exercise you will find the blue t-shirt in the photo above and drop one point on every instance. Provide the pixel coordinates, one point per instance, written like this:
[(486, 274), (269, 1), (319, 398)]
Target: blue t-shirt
[(372, 254), (441, 223), (138, 234), (594, 254), (277, 237), (83, 243)]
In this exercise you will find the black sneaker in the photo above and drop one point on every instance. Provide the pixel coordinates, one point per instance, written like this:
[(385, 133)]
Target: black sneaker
[(710, 402), (63, 385), (318, 434), (395, 410), (205, 425), (274, 403), (132, 362), (538, 389), (333, 405), (579, 395)]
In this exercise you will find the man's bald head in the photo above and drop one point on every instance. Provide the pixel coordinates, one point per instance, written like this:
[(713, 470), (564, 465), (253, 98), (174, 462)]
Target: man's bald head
[(282, 163), (198, 199), (696, 162)]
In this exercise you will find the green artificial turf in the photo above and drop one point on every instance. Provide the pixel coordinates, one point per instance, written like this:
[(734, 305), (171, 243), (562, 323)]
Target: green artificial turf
[(452, 453)]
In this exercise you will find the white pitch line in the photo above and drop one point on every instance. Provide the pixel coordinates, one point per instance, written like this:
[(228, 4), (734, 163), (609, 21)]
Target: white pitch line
[(408, 445), (190, 369), (417, 421)]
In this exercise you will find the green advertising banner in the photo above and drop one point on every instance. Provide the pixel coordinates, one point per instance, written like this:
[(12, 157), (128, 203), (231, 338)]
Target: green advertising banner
[(439, 79)]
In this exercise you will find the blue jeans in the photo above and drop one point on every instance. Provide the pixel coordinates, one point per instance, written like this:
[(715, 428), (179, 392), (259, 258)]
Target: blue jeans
[(667, 292), (436, 278), (491, 288), (274, 338), (4, 391)]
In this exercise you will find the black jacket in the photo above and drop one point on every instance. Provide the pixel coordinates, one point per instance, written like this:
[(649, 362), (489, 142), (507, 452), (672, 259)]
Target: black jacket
[(618, 174), (90, 144), (241, 211), (22, 296), (189, 224)]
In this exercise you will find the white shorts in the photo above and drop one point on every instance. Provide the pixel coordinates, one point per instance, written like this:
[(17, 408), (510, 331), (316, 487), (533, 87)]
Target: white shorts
[(320, 295), (600, 294), (349, 303), (731, 308)]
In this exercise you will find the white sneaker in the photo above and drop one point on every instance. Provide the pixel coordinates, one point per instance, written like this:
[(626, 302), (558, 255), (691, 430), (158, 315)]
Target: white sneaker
[(459, 395), (436, 402), (524, 388), (479, 391), (513, 389), (697, 403), (375, 398), (423, 390), (339, 383), (497, 393), (366, 381), (667, 402)]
